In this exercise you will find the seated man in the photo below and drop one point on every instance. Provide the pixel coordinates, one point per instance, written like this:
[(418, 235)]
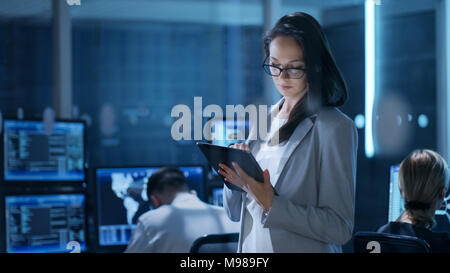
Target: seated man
[(423, 180), (178, 217)]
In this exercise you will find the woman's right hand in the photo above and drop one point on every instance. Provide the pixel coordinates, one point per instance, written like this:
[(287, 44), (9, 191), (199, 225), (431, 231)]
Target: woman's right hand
[(240, 146)]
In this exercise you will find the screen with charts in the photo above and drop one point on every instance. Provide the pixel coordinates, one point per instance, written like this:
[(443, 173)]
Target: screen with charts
[(217, 196), (45, 223), (33, 152), (226, 132), (122, 199), (396, 204)]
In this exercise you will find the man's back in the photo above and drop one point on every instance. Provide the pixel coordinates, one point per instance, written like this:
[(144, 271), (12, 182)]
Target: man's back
[(173, 228)]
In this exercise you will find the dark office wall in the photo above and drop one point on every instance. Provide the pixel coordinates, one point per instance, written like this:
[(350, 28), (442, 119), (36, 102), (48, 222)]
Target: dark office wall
[(25, 67), (137, 72), (131, 75), (406, 85)]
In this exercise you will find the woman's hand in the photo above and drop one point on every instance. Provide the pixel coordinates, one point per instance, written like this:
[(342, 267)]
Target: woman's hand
[(262, 192), (241, 146)]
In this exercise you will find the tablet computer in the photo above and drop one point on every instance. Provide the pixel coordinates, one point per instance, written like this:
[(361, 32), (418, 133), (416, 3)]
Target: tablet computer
[(216, 154)]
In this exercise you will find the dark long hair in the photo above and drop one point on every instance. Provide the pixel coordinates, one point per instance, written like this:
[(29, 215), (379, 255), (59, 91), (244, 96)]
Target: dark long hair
[(326, 84)]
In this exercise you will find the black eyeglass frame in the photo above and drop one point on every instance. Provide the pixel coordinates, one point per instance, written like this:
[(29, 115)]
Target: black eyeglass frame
[(266, 68)]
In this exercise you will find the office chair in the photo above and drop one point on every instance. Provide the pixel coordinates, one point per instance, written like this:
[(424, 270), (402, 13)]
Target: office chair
[(216, 243), (375, 242)]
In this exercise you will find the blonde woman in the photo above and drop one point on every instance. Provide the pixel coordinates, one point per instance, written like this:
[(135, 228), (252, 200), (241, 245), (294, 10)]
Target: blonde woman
[(423, 182)]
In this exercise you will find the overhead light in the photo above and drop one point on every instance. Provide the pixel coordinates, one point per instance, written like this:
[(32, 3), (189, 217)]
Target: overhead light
[(369, 22)]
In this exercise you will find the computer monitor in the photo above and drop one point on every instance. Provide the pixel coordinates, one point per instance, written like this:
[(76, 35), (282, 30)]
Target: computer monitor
[(226, 132), (396, 204), (45, 223), (122, 198), (442, 215), (217, 196), (33, 153)]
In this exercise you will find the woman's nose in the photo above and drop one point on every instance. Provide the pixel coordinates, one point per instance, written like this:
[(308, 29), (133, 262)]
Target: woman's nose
[(283, 75)]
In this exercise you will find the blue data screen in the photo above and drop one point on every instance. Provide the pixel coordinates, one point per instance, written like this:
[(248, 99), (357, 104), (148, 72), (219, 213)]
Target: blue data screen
[(45, 223), (33, 152)]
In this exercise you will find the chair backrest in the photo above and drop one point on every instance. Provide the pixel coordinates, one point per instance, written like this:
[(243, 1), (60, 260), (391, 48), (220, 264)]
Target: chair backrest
[(376, 242), (216, 243)]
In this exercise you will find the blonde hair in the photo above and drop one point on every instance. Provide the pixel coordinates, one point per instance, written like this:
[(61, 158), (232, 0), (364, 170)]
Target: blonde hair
[(422, 176)]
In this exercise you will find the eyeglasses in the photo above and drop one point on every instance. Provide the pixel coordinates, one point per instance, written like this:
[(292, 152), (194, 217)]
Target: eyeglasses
[(292, 72)]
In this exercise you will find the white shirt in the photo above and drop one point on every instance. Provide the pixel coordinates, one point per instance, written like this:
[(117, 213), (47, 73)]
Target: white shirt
[(256, 238), (173, 228)]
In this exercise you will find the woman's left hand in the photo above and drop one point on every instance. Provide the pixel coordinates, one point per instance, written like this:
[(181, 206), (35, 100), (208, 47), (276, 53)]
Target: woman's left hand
[(262, 192)]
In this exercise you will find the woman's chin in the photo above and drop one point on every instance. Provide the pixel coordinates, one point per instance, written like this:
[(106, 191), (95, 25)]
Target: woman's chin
[(285, 93), (288, 93)]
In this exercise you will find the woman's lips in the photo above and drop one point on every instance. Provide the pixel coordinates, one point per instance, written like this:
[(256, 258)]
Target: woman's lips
[(285, 87)]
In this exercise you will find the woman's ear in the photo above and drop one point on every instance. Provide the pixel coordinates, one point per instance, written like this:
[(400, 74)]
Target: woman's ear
[(156, 201)]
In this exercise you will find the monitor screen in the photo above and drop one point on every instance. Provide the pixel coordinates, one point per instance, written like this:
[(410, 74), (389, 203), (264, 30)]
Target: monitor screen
[(396, 204), (226, 132), (45, 223), (442, 216), (122, 199), (217, 197), (32, 153)]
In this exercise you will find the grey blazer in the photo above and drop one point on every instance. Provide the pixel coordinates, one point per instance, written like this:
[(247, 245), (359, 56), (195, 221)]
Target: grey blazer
[(314, 211)]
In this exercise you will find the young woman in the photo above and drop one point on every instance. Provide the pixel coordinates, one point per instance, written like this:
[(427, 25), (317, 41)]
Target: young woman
[(423, 179), (306, 201)]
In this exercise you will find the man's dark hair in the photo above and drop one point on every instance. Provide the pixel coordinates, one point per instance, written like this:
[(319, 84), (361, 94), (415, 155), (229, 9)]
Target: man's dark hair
[(166, 178)]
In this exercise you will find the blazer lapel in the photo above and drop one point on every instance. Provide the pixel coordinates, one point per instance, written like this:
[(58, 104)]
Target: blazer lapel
[(296, 138), (253, 141)]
